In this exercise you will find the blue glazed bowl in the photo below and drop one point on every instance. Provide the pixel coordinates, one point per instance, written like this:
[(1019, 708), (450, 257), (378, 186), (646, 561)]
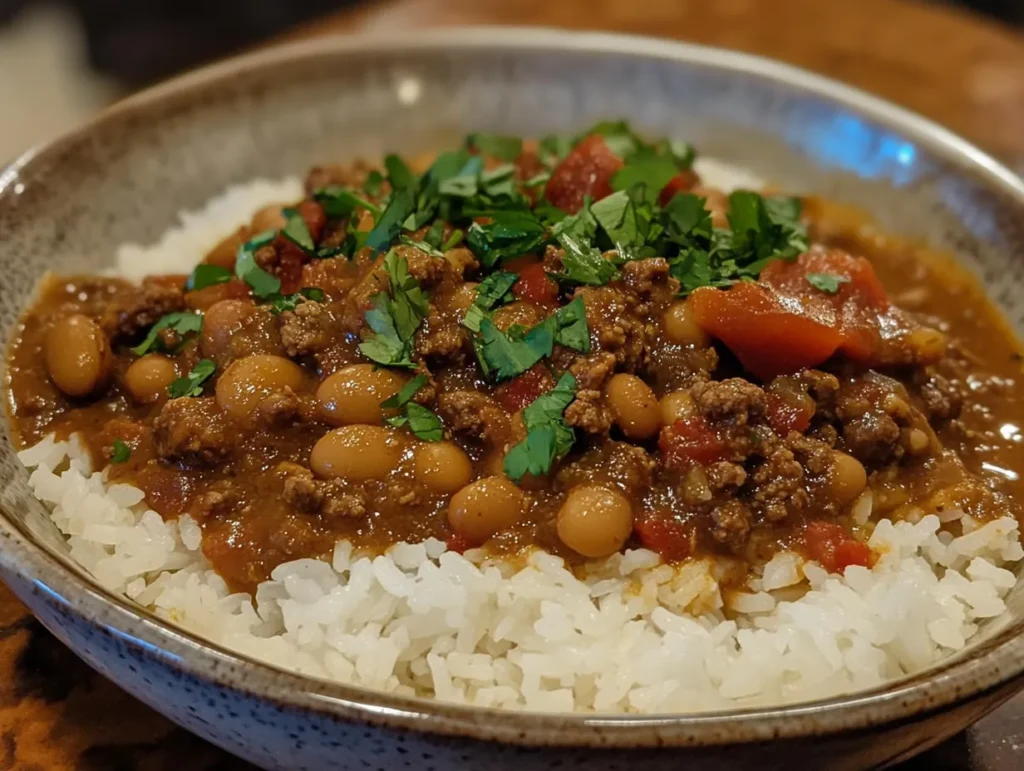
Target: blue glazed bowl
[(124, 176)]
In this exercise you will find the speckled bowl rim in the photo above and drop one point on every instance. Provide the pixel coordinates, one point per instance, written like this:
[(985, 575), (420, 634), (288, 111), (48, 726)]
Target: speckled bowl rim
[(984, 667)]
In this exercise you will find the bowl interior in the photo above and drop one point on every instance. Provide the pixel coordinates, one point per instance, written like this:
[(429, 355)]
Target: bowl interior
[(125, 177)]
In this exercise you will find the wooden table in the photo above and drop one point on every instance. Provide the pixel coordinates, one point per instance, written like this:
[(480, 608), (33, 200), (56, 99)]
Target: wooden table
[(56, 715)]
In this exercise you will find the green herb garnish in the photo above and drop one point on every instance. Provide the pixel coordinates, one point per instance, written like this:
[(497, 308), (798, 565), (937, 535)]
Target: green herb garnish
[(205, 275), (290, 302), (826, 282), (389, 224), (548, 437), (399, 174), (182, 322), (395, 316), (192, 383), (339, 202), (122, 452), (296, 231), (504, 148), (421, 421), (493, 291), (509, 234), (263, 284)]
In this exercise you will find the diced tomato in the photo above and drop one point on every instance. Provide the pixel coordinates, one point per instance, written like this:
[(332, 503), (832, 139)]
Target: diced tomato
[(858, 304), (313, 214), (290, 259), (769, 337), (834, 548), (201, 299), (682, 182), (528, 165), (586, 171), (672, 539), (520, 391), (787, 407), (535, 286), (690, 441)]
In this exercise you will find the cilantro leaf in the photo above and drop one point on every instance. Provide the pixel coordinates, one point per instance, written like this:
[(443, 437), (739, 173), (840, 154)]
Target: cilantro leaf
[(424, 423), (435, 235), (504, 148), (373, 183), (205, 275), (548, 437), (339, 202), (764, 229), (182, 322), (423, 246), (571, 328), (465, 182), (399, 174), (389, 224), (584, 264), (453, 240), (648, 170), (508, 234), (290, 302), (826, 282), (122, 452), (192, 383), (503, 356), (627, 224), (263, 284), (554, 148), (296, 231), (395, 316), (493, 291)]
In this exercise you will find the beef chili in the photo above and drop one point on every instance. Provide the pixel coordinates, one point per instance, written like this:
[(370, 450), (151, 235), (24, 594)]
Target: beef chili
[(573, 344)]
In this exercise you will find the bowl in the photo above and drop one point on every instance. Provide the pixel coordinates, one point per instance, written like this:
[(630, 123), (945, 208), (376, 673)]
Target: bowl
[(124, 176)]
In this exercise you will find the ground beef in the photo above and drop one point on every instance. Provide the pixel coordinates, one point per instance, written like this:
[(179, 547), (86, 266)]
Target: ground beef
[(624, 465), (589, 412), (649, 279), (941, 398), (193, 432), (441, 338), (872, 410), (592, 372), (221, 499), (136, 309), (778, 489), (352, 175), (331, 499), (427, 269), (615, 325), (725, 477), (285, 407), (308, 329), (734, 401), (732, 520), (476, 415), (462, 261), (813, 454)]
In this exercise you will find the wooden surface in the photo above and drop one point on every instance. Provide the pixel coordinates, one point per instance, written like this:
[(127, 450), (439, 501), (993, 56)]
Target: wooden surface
[(56, 715)]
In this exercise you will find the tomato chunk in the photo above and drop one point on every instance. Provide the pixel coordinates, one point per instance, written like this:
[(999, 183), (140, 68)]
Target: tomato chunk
[(690, 441), (520, 391), (858, 303), (586, 171), (535, 286), (834, 548), (672, 539), (682, 182), (313, 215), (769, 337)]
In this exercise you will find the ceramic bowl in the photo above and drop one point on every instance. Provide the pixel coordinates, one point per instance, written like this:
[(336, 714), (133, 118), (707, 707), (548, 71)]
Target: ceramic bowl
[(125, 175)]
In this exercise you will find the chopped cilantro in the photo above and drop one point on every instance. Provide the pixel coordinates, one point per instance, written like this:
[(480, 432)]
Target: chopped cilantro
[(581, 262), (421, 421), (374, 182), (339, 202), (389, 224), (423, 246), (263, 284), (493, 291), (509, 234), (399, 174), (192, 383), (826, 282), (122, 452), (205, 275), (182, 322), (290, 302), (465, 183), (453, 240), (571, 328), (554, 148), (394, 317), (647, 170), (504, 148), (548, 437), (503, 356), (435, 235), (296, 231)]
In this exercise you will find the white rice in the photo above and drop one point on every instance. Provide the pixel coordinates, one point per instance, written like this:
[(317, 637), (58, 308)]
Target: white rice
[(633, 635)]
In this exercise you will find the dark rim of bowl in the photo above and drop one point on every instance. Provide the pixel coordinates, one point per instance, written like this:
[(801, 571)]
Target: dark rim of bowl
[(982, 667)]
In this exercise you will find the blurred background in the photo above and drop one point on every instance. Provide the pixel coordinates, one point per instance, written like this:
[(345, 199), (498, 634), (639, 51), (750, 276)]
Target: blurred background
[(61, 60)]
